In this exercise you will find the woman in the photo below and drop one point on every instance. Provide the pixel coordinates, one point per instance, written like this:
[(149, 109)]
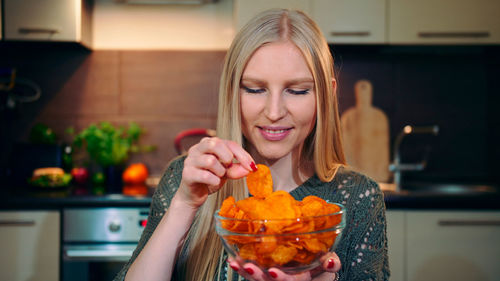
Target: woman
[(277, 106)]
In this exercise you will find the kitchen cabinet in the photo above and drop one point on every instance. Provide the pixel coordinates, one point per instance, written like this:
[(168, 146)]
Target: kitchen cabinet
[(452, 245), (351, 21), (443, 245), (444, 22), (244, 10), (30, 245), (396, 243), (48, 20), (393, 22)]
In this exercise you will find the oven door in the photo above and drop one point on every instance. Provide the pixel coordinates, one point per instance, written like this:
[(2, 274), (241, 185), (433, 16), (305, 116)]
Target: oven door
[(84, 262)]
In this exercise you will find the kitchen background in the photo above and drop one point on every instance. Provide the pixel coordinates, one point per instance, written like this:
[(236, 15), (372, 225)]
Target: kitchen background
[(166, 79), (159, 66)]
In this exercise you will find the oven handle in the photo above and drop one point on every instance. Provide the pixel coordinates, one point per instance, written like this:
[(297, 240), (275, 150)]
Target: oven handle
[(95, 254)]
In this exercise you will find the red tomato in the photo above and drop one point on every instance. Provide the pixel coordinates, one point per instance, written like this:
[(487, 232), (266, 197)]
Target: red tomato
[(80, 175)]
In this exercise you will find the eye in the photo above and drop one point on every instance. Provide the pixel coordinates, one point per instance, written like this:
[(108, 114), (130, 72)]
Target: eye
[(298, 92), (252, 90)]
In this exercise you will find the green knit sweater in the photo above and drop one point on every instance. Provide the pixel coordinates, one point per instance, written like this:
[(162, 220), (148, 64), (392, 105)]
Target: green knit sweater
[(362, 249)]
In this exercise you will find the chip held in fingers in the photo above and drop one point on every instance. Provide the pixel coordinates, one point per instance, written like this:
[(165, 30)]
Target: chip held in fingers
[(260, 182), (272, 229)]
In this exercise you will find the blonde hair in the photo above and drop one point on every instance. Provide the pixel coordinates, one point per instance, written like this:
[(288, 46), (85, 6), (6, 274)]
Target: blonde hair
[(323, 146)]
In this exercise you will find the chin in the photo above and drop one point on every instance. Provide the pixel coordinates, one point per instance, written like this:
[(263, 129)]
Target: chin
[(274, 152)]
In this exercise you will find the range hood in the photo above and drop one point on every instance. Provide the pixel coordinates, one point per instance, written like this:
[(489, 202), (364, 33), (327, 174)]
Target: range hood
[(165, 2)]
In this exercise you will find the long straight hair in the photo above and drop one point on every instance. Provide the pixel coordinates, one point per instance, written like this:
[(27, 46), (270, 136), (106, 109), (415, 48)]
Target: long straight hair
[(323, 146)]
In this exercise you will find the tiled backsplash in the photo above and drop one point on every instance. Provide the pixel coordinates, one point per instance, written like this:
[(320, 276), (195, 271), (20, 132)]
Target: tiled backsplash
[(169, 91)]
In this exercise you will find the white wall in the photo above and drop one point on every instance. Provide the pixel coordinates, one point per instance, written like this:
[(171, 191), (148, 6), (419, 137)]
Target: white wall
[(168, 27)]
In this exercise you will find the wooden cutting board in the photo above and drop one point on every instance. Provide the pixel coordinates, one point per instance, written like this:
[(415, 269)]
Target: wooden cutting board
[(365, 130)]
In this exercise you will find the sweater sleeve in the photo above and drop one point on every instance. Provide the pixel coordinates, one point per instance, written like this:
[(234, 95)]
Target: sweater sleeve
[(160, 201), (365, 255)]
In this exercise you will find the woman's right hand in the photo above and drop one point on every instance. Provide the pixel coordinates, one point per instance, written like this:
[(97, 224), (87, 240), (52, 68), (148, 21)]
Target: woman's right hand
[(207, 166)]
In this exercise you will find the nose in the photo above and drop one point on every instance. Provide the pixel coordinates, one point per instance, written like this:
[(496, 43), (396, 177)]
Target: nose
[(275, 106)]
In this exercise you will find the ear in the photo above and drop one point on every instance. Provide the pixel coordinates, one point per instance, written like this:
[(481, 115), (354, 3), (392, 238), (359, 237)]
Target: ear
[(334, 84)]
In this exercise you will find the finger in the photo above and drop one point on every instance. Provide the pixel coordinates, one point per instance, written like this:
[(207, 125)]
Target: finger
[(209, 162), (277, 274), (236, 171), (216, 147), (193, 175), (331, 262), (248, 271), (241, 155), (254, 272)]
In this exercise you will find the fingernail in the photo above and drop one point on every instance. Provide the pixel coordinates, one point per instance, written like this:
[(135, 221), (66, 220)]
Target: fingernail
[(234, 267), (249, 270), (331, 263), (273, 274), (254, 168)]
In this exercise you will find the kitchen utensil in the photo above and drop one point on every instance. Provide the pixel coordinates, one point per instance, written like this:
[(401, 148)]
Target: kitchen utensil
[(365, 130)]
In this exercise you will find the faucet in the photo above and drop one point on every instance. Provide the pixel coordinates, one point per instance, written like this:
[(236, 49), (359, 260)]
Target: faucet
[(397, 167)]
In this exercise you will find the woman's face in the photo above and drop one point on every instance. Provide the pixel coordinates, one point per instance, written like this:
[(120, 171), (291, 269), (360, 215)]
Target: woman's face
[(278, 102)]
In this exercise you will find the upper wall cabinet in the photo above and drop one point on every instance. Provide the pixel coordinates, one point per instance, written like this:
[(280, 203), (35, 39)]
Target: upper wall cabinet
[(393, 21), (351, 21), (48, 20), (444, 22)]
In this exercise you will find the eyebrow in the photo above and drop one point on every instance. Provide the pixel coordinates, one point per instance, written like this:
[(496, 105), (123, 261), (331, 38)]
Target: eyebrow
[(291, 81)]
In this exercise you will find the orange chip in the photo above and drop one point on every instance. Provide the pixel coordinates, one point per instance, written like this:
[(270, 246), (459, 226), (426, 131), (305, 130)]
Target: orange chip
[(260, 182), (283, 254), (227, 209), (313, 245), (247, 252), (267, 245), (303, 257)]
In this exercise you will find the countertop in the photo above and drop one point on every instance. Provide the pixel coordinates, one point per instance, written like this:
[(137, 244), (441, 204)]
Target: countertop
[(20, 199)]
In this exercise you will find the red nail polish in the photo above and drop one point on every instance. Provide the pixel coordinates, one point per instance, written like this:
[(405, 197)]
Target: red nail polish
[(249, 270), (331, 263), (234, 267), (254, 168), (273, 274)]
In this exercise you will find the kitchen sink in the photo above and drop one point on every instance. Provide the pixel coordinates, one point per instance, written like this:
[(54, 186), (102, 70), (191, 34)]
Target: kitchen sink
[(450, 188)]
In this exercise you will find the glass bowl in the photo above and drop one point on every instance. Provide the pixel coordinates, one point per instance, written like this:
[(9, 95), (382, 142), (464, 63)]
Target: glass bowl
[(291, 245)]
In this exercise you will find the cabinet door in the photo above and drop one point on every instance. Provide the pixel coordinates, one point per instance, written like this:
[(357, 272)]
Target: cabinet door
[(351, 21), (444, 21), (53, 20), (396, 243), (244, 10), (29, 243), (453, 246)]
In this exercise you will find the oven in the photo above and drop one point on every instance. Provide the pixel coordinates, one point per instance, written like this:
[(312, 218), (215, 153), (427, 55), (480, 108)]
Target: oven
[(97, 242)]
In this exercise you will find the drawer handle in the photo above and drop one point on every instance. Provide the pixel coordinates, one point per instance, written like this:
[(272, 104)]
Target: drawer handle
[(350, 33), (17, 223), (479, 34), (28, 30), (469, 222)]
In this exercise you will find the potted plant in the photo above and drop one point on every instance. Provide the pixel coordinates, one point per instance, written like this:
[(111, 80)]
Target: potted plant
[(110, 147)]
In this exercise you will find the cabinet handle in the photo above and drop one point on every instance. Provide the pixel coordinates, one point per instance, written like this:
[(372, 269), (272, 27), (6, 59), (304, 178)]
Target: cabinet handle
[(17, 222), (431, 34), (28, 30), (469, 222), (350, 33)]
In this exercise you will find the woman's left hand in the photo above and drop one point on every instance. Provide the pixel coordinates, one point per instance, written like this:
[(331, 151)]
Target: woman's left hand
[(327, 271)]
